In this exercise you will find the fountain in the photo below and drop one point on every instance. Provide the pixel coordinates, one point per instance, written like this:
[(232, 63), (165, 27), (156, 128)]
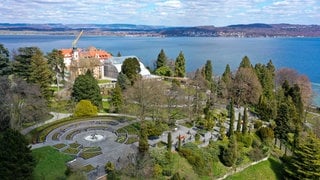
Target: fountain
[(94, 137)]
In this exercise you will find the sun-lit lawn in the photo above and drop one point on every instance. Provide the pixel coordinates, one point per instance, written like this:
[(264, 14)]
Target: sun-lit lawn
[(270, 169), (50, 163)]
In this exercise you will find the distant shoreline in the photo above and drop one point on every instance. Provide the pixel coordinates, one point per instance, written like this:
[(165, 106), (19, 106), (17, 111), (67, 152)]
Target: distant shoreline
[(132, 30), (122, 34)]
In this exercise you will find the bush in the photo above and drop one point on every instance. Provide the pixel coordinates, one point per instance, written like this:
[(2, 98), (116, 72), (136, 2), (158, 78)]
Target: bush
[(257, 124), (265, 133), (199, 159), (197, 137), (246, 139), (157, 170), (256, 154), (85, 108), (256, 142)]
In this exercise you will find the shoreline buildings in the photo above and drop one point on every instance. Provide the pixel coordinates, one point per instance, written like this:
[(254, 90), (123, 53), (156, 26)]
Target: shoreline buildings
[(103, 64)]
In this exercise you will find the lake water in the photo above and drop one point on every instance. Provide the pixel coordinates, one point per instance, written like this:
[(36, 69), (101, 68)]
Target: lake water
[(302, 54)]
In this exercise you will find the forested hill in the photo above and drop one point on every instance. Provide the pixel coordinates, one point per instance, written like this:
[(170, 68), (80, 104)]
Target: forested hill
[(239, 30)]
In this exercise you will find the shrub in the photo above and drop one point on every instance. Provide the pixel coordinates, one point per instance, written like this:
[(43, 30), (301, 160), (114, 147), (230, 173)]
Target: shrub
[(265, 133), (85, 108), (157, 170), (257, 124), (197, 137), (256, 154), (256, 142), (246, 139)]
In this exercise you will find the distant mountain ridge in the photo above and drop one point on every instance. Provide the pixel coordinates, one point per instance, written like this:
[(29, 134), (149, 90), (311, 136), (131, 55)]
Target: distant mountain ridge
[(237, 30)]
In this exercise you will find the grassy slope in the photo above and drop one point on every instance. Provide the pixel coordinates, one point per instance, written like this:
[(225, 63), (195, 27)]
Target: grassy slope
[(270, 170), (50, 163), (182, 166)]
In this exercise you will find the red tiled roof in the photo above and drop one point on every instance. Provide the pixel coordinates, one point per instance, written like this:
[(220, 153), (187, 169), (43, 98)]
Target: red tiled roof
[(91, 52)]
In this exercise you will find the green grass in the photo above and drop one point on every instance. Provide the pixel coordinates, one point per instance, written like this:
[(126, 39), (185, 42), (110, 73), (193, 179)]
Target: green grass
[(73, 151), (161, 144), (88, 168), (270, 169), (88, 155), (91, 149), (74, 145), (50, 163), (101, 81), (60, 146), (132, 129), (106, 105), (132, 140), (55, 136), (121, 139), (313, 119)]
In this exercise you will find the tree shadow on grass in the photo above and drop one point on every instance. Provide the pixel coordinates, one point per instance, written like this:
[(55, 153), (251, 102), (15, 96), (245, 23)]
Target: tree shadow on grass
[(277, 168)]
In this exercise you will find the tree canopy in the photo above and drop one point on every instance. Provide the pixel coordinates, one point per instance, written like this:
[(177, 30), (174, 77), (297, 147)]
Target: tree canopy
[(40, 74), (56, 63), (22, 61), (161, 60), (5, 67), (305, 161), (86, 87), (180, 66), (16, 161), (131, 68)]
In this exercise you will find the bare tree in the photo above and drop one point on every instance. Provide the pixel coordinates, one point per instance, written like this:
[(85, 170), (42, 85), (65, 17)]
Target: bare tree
[(246, 87), (145, 98), (293, 77), (20, 102)]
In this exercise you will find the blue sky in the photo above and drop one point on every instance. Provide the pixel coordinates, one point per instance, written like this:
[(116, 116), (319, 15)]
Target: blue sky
[(161, 12)]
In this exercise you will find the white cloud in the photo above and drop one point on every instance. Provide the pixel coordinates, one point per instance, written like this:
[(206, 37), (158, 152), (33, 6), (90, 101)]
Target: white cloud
[(161, 12)]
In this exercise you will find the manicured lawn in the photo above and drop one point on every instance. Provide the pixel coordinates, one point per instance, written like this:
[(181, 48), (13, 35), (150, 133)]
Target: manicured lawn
[(270, 170), (50, 163)]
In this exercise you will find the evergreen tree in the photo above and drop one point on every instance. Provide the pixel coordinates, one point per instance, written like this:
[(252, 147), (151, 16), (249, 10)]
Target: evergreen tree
[(245, 121), (123, 81), (116, 98), (16, 161), (229, 154), (143, 138), (245, 63), (5, 67), (40, 74), (131, 68), (208, 72), (22, 62), (271, 68), (225, 83), (282, 122), (86, 87), (179, 142), (161, 60), (227, 76), (232, 119), (164, 71), (180, 66), (239, 123), (267, 103), (169, 142), (305, 161)]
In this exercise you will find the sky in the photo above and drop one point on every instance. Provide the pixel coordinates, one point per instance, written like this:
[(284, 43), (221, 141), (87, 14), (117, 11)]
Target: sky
[(161, 12)]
